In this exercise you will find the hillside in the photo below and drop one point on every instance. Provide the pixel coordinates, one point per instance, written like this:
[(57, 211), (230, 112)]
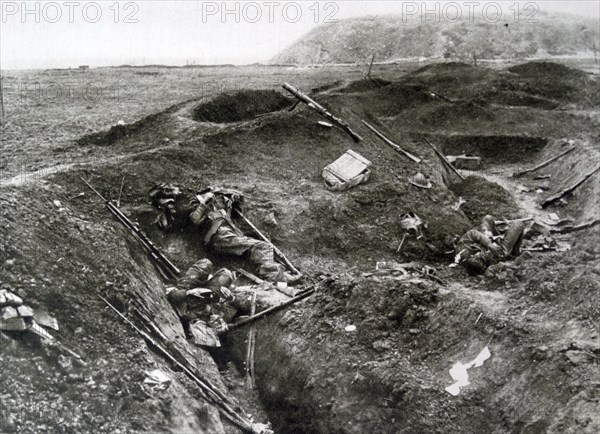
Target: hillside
[(389, 38)]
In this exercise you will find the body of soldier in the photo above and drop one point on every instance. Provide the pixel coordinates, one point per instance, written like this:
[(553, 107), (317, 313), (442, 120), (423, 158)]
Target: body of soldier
[(482, 247)]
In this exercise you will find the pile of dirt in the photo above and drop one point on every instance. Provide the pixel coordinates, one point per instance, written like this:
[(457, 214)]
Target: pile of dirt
[(240, 106), (365, 84), (483, 197), (397, 98), (556, 81)]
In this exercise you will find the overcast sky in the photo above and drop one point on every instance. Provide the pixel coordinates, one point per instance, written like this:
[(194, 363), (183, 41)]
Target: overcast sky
[(70, 33)]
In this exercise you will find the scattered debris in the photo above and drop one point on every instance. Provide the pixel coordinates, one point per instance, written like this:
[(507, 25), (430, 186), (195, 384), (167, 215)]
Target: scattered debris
[(570, 228), (401, 243), (458, 204), (157, 380), (321, 110), (544, 164), (271, 220), (459, 372), (411, 221), (347, 171), (78, 195), (465, 161), (419, 180), (396, 147)]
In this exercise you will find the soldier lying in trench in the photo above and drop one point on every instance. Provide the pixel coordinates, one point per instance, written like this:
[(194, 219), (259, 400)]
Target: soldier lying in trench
[(204, 302), (485, 246), (211, 212)]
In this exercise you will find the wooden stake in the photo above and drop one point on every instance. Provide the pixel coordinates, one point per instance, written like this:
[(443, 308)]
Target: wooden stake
[(439, 154), (250, 347), (371, 66), (544, 164), (569, 190), (120, 192)]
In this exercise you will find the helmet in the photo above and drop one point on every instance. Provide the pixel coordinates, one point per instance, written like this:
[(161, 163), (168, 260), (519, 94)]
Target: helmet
[(419, 180), (162, 192)]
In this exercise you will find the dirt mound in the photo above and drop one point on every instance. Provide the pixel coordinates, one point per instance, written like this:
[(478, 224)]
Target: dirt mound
[(484, 197), (443, 68), (447, 115), (548, 69), (240, 106), (398, 97), (555, 81), (365, 85)]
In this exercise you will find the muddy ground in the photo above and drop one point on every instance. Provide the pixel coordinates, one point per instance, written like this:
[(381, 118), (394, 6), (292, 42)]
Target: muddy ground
[(538, 315)]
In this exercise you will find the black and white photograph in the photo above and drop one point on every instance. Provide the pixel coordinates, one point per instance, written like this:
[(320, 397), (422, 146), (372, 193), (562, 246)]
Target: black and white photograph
[(299, 217)]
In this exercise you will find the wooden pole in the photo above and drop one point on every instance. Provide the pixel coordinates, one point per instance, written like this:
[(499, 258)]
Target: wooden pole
[(569, 190), (392, 144), (544, 164), (439, 154)]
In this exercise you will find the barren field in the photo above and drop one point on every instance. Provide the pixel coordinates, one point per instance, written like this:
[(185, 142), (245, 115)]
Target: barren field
[(233, 127)]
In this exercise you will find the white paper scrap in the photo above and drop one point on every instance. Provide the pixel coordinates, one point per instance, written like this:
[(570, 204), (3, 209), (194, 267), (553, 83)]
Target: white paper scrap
[(459, 371)]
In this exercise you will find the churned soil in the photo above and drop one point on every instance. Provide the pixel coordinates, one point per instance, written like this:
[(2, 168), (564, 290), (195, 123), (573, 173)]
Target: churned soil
[(315, 374)]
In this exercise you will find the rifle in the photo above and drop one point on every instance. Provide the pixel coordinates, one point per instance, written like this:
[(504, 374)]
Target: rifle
[(396, 147), (322, 111), (164, 266), (277, 252), (207, 388), (254, 318), (446, 162)]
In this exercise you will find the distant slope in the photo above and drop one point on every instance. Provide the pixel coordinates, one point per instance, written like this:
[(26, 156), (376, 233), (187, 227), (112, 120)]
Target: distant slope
[(352, 40)]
